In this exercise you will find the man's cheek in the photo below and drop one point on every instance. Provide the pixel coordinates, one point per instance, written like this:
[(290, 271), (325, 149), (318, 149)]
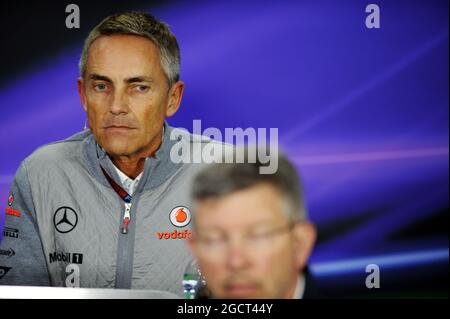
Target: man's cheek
[(94, 121), (98, 102), (215, 276)]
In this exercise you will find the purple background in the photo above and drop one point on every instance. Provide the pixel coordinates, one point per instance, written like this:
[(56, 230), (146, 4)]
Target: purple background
[(362, 113)]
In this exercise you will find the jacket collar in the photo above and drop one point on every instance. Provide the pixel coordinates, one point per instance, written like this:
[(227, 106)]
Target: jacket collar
[(157, 168)]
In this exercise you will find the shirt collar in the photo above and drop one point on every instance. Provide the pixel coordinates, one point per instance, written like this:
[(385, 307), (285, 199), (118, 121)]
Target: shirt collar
[(300, 288), (124, 178), (159, 165)]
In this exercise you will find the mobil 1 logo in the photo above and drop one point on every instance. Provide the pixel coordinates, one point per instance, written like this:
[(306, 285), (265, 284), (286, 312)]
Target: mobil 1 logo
[(70, 258)]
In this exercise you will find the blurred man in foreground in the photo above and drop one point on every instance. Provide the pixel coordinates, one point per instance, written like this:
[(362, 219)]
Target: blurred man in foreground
[(252, 238)]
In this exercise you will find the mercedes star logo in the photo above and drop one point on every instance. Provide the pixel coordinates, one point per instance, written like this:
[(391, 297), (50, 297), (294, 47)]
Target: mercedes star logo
[(65, 219)]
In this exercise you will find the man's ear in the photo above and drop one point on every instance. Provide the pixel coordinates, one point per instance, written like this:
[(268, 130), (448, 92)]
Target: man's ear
[(305, 234), (82, 92), (175, 95)]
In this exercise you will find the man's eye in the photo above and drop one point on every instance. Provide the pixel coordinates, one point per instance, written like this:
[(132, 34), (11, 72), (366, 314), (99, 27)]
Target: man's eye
[(260, 234), (100, 87), (142, 88), (212, 240)]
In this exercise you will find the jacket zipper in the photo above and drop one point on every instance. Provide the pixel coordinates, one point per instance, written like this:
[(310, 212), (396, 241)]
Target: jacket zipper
[(123, 246), (123, 271), (126, 218)]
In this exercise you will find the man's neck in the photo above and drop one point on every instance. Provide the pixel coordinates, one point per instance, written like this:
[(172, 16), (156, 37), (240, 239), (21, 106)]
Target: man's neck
[(133, 165), (130, 166)]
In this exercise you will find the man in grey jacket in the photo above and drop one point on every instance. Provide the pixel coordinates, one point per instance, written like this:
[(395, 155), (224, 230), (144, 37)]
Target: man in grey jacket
[(108, 207)]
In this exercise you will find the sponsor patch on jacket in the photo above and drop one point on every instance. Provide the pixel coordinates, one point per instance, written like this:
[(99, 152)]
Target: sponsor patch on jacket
[(65, 219), (176, 234), (3, 271), (13, 212), (70, 258), (11, 232), (10, 200), (180, 217), (9, 253)]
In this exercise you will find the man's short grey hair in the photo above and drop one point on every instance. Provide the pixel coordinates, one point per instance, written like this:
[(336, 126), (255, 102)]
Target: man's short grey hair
[(221, 179), (144, 25)]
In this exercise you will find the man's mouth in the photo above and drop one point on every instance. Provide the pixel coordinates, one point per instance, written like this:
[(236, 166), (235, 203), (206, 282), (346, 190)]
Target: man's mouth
[(241, 290), (118, 128)]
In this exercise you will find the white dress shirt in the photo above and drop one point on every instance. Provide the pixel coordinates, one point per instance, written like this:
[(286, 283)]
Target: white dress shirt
[(128, 184), (300, 288)]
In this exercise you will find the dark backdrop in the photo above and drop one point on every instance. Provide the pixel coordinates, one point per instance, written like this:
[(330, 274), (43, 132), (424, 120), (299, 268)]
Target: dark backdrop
[(362, 113)]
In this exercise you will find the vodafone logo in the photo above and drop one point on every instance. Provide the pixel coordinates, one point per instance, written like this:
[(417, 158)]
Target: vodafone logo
[(180, 216)]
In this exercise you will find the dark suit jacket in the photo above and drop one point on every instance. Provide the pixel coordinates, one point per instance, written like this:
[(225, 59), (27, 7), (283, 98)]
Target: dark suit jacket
[(311, 291)]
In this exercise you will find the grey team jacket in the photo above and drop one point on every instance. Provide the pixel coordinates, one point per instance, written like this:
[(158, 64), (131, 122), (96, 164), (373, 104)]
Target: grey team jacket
[(63, 220)]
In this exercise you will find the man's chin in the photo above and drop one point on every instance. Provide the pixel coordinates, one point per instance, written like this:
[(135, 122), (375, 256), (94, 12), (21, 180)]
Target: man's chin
[(117, 146), (117, 149)]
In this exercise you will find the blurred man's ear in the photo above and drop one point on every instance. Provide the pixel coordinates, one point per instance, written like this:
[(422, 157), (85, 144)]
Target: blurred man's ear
[(81, 91), (175, 95), (305, 234)]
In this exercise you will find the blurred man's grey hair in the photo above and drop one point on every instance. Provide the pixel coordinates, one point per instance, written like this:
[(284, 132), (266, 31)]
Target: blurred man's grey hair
[(221, 179), (144, 25)]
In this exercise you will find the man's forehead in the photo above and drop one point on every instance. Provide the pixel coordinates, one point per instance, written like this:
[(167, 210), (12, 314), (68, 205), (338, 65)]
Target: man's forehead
[(124, 41), (125, 54), (252, 207), (262, 194)]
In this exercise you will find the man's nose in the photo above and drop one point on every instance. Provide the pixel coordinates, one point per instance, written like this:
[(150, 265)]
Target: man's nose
[(237, 256), (119, 103)]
